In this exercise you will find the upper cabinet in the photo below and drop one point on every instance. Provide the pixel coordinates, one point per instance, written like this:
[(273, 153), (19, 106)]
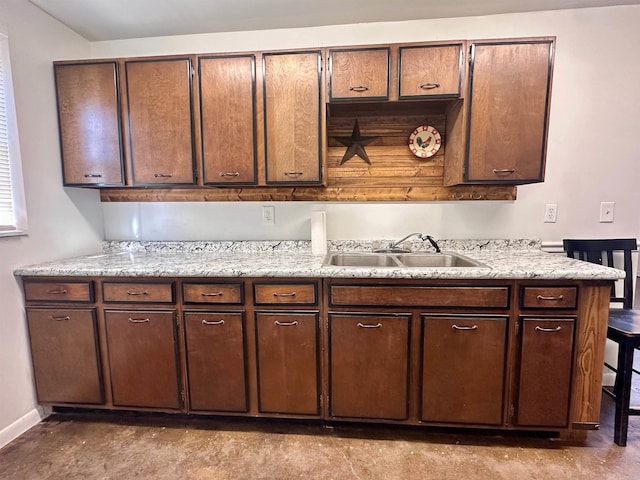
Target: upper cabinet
[(293, 117), (228, 119), (430, 71), (160, 121), (89, 121), (359, 74)]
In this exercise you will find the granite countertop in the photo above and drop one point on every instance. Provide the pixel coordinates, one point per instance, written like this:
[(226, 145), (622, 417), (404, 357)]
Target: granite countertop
[(504, 259)]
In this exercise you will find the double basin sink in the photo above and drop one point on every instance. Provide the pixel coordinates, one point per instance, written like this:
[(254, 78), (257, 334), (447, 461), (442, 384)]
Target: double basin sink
[(400, 260)]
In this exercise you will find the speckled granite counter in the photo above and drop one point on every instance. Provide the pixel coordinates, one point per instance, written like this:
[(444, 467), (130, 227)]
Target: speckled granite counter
[(504, 259)]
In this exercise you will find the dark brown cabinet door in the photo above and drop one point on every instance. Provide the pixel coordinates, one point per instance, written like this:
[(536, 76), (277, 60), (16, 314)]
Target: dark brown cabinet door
[(89, 122), (216, 361), (361, 73), (430, 71), (292, 117), (142, 358), (287, 355), (369, 363), (227, 115), (65, 355), (160, 121), (463, 368), (546, 357), (509, 94)]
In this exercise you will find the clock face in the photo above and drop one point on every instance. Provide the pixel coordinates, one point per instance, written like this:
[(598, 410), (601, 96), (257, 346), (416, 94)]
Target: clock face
[(425, 141)]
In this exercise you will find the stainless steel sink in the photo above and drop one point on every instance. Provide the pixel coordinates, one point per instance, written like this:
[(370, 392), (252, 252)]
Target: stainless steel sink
[(400, 260)]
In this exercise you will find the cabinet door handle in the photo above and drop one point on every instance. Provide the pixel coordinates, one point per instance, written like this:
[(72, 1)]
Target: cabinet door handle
[(458, 327), (220, 322), (293, 174), (542, 329), (92, 175), (276, 294), (550, 299), (362, 325), (429, 86), (61, 291), (285, 324), (163, 175), (60, 318), (359, 88), (503, 171), (129, 292), (139, 320), (211, 294), (229, 174)]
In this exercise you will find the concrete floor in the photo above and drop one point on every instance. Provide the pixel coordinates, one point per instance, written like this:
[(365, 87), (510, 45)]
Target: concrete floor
[(149, 446)]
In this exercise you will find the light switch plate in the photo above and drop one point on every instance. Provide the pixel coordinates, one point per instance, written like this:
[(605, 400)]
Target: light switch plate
[(607, 209), (268, 215)]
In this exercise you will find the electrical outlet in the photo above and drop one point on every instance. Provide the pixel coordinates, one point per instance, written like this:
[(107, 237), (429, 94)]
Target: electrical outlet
[(550, 213), (607, 210), (268, 215)]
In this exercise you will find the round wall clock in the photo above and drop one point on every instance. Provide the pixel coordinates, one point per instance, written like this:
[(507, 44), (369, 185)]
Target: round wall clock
[(425, 141)]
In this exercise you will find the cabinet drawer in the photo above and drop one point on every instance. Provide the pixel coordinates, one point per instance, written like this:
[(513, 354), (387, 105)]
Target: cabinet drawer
[(417, 296), (430, 70), (136, 292), (359, 74), (285, 293), (549, 297), (53, 291), (230, 293)]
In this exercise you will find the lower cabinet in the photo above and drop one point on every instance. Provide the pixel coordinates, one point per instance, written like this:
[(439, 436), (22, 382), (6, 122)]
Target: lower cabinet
[(544, 380), (65, 355), (288, 362), (369, 365), (216, 369), (143, 358), (463, 369)]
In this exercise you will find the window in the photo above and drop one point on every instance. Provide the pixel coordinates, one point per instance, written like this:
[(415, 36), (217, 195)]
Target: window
[(12, 205)]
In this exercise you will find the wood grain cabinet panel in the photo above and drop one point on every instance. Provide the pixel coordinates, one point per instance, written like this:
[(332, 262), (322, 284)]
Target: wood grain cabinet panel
[(216, 361), (369, 366), (360, 73), (89, 122), (509, 95), (57, 291), (430, 71), (227, 293), (285, 293), (463, 369), (160, 121), (549, 297), (64, 349), (228, 119), (288, 363), (137, 292), (143, 359), (293, 117)]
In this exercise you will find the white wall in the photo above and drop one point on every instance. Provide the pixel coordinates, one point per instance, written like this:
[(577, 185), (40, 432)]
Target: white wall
[(592, 152), (62, 222)]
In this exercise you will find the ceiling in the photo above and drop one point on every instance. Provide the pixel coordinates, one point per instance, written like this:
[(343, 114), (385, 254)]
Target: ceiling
[(99, 20)]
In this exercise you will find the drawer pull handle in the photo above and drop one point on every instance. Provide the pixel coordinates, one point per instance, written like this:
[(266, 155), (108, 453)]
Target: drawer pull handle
[(359, 88), (220, 322), (285, 324), (163, 175), (429, 86), (60, 318), (211, 294), (293, 174), (129, 292), (362, 325), (458, 327), (92, 175), (550, 299), (276, 294), (139, 320), (61, 291), (229, 174), (542, 329), (503, 171)]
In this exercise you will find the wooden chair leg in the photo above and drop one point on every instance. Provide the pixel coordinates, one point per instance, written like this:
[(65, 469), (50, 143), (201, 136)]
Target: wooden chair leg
[(622, 391)]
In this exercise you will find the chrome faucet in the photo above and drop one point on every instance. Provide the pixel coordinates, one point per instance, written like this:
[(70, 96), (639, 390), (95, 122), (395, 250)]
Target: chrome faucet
[(394, 245)]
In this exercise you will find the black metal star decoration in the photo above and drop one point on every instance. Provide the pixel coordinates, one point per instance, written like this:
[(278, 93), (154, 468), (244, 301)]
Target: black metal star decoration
[(355, 144)]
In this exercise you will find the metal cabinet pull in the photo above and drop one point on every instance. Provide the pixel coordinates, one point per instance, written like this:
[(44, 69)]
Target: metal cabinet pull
[(276, 294), (129, 292), (542, 329), (504, 171), (359, 88), (229, 174), (139, 320), (551, 299), (362, 325), (92, 175), (293, 174), (60, 318), (163, 175), (285, 324), (211, 294), (429, 86), (220, 322), (458, 327), (61, 291)]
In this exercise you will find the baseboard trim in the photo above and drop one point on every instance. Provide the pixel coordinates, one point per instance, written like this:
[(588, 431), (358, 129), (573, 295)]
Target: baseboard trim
[(24, 423)]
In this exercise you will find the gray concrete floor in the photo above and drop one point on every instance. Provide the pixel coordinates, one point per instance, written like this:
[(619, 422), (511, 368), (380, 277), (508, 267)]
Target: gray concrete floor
[(149, 446)]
